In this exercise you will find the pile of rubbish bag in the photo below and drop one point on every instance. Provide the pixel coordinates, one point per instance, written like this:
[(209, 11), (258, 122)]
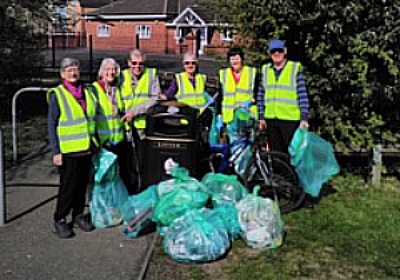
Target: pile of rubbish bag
[(199, 220)]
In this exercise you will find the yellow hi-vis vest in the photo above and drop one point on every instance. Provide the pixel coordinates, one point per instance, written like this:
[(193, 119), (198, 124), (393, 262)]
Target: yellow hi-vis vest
[(109, 126), (141, 94), (235, 95), (281, 98), (194, 97), (75, 129)]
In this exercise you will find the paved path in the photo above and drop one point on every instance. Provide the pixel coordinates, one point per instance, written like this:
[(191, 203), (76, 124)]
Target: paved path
[(30, 251)]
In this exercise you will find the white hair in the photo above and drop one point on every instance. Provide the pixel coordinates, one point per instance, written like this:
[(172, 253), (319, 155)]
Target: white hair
[(105, 63)]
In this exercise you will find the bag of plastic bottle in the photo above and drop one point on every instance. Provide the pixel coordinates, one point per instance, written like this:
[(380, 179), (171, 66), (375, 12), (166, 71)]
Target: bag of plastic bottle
[(109, 192), (197, 237), (313, 159), (260, 221), (224, 189)]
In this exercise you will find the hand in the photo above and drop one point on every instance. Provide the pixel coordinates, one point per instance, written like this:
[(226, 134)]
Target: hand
[(163, 97), (263, 125), (57, 160), (127, 117), (304, 124)]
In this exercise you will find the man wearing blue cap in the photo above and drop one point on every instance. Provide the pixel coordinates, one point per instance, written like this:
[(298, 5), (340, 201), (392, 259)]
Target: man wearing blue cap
[(282, 98)]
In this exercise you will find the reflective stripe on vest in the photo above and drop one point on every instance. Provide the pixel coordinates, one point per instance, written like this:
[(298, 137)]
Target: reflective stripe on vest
[(141, 94), (235, 95), (109, 127), (74, 129), (194, 97), (281, 98)]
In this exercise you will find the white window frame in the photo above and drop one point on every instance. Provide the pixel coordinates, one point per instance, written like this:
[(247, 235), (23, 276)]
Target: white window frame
[(103, 31), (227, 34), (144, 31)]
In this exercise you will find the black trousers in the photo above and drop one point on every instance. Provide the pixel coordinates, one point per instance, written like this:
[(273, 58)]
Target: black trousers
[(74, 179), (280, 134)]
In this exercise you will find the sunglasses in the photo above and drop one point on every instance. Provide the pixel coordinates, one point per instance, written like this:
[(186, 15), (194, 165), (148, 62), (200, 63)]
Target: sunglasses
[(190, 63), (276, 51), (140, 63)]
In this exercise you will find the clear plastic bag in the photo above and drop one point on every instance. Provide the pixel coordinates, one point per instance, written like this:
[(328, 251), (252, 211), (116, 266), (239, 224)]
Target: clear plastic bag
[(260, 221), (313, 159)]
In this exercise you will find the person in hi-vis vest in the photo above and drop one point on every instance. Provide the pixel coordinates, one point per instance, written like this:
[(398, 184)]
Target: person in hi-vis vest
[(140, 86), (282, 99), (238, 86), (72, 138), (110, 109), (189, 87)]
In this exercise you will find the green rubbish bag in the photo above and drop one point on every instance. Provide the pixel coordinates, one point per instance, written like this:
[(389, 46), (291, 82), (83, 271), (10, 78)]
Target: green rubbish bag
[(180, 178), (109, 192), (106, 203), (136, 204), (313, 159), (105, 165), (176, 203), (224, 189), (198, 236)]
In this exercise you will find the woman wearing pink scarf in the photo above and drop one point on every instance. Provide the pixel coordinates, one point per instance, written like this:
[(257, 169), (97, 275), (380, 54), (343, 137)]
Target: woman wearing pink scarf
[(71, 133)]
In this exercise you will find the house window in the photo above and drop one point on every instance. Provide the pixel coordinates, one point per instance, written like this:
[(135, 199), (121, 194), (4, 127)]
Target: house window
[(103, 31), (227, 35), (144, 31)]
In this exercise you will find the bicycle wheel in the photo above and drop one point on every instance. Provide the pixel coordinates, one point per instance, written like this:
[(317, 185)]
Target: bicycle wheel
[(282, 180)]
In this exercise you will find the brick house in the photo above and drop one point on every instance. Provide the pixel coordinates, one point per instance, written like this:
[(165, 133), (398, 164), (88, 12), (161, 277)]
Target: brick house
[(157, 26)]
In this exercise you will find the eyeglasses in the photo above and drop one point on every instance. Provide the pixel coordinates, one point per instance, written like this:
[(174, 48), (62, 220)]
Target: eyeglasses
[(139, 63), (72, 69), (190, 63), (276, 51)]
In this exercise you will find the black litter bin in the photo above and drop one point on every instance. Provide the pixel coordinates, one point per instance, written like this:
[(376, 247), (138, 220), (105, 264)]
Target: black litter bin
[(171, 132)]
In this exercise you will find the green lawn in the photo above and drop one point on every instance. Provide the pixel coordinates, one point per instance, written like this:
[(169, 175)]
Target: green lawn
[(351, 234)]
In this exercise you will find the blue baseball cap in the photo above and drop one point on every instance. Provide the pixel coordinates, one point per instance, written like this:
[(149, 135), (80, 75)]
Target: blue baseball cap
[(276, 44)]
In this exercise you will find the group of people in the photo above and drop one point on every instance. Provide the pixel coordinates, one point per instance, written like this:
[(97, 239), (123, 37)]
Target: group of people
[(108, 113)]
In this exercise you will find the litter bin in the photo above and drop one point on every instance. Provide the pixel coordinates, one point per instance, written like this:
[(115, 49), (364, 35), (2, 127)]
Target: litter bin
[(171, 132)]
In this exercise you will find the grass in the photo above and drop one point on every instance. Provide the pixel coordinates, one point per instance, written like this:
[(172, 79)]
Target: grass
[(352, 234)]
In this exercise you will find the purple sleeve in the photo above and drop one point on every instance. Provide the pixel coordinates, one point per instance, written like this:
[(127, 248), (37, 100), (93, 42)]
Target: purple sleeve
[(303, 96), (53, 117), (173, 89), (261, 101)]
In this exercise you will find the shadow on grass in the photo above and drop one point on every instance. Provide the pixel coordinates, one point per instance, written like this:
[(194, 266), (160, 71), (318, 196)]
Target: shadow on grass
[(310, 202)]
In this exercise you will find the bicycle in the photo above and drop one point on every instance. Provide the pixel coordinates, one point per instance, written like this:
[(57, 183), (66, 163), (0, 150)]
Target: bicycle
[(268, 169)]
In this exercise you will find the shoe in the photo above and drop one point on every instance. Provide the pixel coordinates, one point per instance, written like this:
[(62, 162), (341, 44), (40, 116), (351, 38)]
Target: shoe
[(62, 229), (83, 221)]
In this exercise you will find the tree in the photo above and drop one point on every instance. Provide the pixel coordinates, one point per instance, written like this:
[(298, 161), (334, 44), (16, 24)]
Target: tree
[(351, 53), (24, 25)]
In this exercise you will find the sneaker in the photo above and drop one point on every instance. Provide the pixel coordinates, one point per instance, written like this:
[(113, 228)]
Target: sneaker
[(83, 221), (62, 229)]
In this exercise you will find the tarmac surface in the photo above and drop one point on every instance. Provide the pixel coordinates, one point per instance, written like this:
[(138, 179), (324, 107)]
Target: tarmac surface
[(29, 250)]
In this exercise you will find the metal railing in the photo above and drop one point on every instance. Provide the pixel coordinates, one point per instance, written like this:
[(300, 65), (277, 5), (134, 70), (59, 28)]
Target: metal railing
[(14, 117), (2, 184)]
